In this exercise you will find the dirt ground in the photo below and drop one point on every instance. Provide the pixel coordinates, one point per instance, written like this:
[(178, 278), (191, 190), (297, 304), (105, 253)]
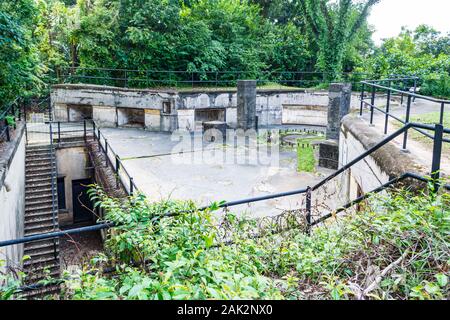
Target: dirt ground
[(79, 248)]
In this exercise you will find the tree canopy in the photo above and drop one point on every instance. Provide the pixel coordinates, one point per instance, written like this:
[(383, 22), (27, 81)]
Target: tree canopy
[(41, 38)]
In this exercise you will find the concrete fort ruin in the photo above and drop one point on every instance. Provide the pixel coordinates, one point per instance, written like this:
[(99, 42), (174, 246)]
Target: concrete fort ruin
[(170, 110), (125, 146)]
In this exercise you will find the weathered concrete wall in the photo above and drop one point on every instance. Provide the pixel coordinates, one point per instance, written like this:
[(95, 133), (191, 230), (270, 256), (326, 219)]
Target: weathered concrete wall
[(12, 198), (356, 137), (246, 104), (273, 107), (312, 115), (72, 164)]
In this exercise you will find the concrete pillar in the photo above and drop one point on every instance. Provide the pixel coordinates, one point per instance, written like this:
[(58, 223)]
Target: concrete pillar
[(338, 107), (246, 104)]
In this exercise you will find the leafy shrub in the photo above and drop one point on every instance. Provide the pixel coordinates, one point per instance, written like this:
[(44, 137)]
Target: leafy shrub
[(396, 248)]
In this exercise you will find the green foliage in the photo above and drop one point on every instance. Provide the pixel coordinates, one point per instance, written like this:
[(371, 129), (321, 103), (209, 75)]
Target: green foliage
[(20, 65), (334, 25), (397, 248), (10, 120), (306, 160), (423, 52)]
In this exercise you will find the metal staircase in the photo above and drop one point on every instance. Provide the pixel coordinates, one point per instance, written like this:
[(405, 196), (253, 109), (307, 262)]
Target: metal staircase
[(41, 216)]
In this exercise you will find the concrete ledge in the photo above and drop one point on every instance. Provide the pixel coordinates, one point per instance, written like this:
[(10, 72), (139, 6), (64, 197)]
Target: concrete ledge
[(7, 156), (389, 158)]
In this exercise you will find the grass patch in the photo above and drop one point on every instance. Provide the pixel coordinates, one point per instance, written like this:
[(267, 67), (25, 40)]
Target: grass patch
[(306, 160)]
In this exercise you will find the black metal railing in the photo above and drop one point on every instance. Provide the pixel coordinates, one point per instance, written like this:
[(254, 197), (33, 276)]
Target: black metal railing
[(129, 78), (437, 129), (14, 112), (435, 177), (54, 173), (63, 131), (112, 159), (377, 86)]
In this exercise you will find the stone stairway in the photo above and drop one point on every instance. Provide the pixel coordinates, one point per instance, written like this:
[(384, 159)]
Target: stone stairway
[(39, 218)]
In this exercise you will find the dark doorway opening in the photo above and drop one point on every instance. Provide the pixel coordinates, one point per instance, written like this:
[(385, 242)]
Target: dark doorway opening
[(129, 117), (61, 194), (206, 115), (82, 205), (79, 112)]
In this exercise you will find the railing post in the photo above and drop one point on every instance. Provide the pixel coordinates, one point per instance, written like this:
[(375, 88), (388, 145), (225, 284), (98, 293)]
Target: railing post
[(131, 186), (8, 136), (408, 114), (59, 132), (106, 152), (388, 105), (362, 101), (441, 117), (415, 88), (99, 140), (117, 171), (308, 209), (93, 129), (437, 154), (84, 128), (50, 117), (372, 104)]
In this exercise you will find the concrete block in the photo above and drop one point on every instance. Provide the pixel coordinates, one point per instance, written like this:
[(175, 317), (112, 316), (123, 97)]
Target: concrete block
[(186, 120), (104, 116), (329, 154), (152, 120), (338, 107), (246, 104), (60, 112)]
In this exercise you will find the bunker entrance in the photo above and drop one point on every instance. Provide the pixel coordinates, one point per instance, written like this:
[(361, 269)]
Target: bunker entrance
[(79, 112), (131, 118), (208, 115)]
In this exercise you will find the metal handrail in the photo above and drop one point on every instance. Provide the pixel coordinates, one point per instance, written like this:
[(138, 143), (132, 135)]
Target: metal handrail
[(407, 93), (54, 190), (435, 175)]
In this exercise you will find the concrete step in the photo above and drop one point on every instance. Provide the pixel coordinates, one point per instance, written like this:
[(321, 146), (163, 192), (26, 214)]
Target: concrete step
[(43, 195), (32, 225), (39, 190), (42, 262), (39, 219), (39, 168), (38, 155), (38, 179), (38, 210), (37, 203), (53, 273), (37, 245), (39, 270), (41, 293), (36, 186), (39, 164), (30, 177), (36, 230), (42, 252), (38, 148)]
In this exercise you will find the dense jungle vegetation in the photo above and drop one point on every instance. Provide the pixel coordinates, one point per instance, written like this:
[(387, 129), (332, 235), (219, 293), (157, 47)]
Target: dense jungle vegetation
[(40, 39), (395, 248)]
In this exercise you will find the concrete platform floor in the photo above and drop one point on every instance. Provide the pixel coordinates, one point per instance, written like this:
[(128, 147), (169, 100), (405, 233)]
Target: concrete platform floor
[(206, 174)]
